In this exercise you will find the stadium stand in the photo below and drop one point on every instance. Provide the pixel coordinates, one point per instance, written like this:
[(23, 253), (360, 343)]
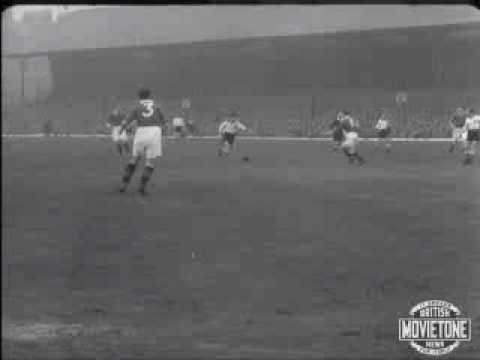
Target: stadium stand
[(283, 85)]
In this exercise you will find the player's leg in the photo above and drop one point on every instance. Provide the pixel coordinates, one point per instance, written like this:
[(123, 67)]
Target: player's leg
[(146, 175), (137, 152), (388, 141), (119, 147), (388, 145), (126, 146), (379, 141), (346, 146), (352, 152), (230, 144), (453, 144), (177, 133), (221, 145), (129, 171), (356, 155), (116, 139), (468, 153), (473, 138), (152, 150), (337, 140)]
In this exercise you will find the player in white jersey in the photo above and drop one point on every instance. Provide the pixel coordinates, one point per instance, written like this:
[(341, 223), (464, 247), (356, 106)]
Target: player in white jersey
[(351, 139), (178, 124), (228, 129), (384, 129), (472, 126), (119, 137)]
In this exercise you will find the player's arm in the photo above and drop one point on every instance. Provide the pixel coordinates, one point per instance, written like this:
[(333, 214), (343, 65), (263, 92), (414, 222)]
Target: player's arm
[(128, 120), (331, 127), (241, 127), (109, 121), (221, 128), (247, 130), (450, 122)]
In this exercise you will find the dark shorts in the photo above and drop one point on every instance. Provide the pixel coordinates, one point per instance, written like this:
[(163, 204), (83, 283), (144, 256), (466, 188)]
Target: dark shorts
[(178, 129), (473, 135), (338, 135), (229, 138), (382, 134)]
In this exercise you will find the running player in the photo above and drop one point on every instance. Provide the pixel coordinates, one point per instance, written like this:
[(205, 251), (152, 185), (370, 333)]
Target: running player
[(459, 135), (178, 124), (472, 126), (384, 129), (228, 129), (349, 145), (148, 138), (119, 136), (336, 130)]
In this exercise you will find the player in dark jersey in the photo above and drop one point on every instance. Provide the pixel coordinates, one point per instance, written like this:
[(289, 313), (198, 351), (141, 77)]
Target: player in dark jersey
[(457, 123), (148, 138), (336, 130)]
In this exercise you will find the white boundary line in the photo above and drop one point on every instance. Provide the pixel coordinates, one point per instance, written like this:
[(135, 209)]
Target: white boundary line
[(262, 138)]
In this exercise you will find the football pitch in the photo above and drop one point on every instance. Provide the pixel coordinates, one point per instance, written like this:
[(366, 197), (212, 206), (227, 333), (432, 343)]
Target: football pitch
[(294, 254)]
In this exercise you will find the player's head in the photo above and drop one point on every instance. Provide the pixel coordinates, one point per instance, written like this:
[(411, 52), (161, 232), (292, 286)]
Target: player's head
[(471, 111), (232, 115), (144, 93)]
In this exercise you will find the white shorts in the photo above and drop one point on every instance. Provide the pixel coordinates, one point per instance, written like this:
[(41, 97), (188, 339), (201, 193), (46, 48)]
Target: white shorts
[(118, 136), (351, 140), (148, 142), (459, 134)]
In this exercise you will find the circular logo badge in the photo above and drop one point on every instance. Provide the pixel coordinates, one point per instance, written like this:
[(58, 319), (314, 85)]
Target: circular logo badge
[(435, 327)]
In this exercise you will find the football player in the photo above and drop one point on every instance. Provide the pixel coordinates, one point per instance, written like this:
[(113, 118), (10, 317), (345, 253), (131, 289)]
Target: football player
[(119, 136), (457, 124), (178, 124), (384, 129), (147, 141), (227, 130), (336, 130), (472, 126), (351, 139)]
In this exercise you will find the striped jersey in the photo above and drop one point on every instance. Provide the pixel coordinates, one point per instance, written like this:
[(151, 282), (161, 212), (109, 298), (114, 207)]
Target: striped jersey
[(178, 121), (473, 123), (382, 124), (231, 127)]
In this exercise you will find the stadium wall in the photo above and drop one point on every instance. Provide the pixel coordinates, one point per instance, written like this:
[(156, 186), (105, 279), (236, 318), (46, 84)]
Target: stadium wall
[(274, 81)]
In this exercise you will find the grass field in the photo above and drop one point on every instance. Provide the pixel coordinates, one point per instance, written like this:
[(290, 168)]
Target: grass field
[(294, 254)]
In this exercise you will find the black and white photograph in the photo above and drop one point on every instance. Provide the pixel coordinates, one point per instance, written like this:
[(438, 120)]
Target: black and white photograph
[(241, 181)]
